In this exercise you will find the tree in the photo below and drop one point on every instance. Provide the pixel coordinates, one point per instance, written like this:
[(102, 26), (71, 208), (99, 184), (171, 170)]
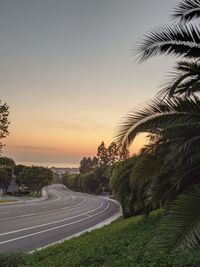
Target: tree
[(7, 162), (120, 185), (35, 177), (123, 152), (4, 122), (174, 130), (88, 164), (180, 39), (6, 170), (19, 169), (102, 154), (172, 124), (5, 177), (112, 153)]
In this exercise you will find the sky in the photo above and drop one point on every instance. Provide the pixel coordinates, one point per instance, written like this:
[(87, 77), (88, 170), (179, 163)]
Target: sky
[(68, 74)]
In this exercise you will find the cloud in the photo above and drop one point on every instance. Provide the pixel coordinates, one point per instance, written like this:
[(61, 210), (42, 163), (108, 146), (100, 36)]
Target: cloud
[(78, 124), (35, 148)]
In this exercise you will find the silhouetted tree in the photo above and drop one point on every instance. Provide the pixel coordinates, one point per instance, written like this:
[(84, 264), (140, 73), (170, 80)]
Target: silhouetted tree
[(102, 154), (112, 153), (88, 164), (4, 122), (7, 162), (5, 177), (123, 153)]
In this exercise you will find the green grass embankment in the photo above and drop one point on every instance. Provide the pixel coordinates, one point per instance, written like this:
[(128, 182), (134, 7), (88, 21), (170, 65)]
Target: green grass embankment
[(123, 243), (4, 201)]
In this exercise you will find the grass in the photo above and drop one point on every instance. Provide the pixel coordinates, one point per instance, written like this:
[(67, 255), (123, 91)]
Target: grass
[(124, 243), (7, 201), (34, 195)]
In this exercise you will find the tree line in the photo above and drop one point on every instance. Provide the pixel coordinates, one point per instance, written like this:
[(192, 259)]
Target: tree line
[(95, 172), (34, 177)]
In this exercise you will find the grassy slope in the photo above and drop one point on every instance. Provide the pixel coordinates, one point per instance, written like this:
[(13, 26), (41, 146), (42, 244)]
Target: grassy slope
[(123, 243)]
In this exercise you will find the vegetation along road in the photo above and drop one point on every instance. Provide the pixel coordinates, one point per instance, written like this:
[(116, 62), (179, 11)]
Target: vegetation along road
[(31, 225)]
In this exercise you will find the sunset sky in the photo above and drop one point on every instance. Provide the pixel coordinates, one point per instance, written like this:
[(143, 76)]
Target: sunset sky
[(68, 74)]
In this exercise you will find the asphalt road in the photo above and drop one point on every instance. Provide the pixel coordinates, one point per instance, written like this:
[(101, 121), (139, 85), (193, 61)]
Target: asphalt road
[(32, 225)]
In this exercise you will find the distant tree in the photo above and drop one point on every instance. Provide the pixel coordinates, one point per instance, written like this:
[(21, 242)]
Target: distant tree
[(35, 177), (5, 177), (112, 153), (18, 169), (6, 170), (88, 164), (123, 153), (4, 122), (102, 154), (95, 162), (85, 165), (6, 162)]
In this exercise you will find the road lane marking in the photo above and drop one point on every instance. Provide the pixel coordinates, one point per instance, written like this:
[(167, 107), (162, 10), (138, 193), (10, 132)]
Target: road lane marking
[(54, 228), (26, 204), (45, 224), (42, 212), (107, 221), (58, 197)]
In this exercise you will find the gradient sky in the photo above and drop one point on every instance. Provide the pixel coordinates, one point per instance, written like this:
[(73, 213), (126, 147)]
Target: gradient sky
[(68, 76)]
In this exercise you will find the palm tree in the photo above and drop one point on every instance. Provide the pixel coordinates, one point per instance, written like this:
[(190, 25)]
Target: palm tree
[(184, 80), (174, 128), (186, 11), (178, 40), (120, 185), (182, 40), (173, 125)]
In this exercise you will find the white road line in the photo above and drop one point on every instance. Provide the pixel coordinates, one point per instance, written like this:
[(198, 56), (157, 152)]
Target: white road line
[(45, 224), (54, 228), (58, 197), (26, 204), (114, 217), (42, 212)]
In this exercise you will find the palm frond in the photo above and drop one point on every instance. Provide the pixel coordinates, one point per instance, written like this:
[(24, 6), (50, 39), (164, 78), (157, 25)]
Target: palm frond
[(161, 190), (181, 228), (144, 170), (183, 80), (188, 130), (186, 11), (180, 40), (156, 116)]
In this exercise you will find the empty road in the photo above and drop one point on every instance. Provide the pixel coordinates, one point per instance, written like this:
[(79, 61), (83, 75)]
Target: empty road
[(29, 225)]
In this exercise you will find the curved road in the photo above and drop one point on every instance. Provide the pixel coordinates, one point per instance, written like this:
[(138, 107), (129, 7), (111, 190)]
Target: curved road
[(34, 224)]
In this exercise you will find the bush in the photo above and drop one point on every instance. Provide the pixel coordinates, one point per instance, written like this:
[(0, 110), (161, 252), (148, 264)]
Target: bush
[(12, 260)]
